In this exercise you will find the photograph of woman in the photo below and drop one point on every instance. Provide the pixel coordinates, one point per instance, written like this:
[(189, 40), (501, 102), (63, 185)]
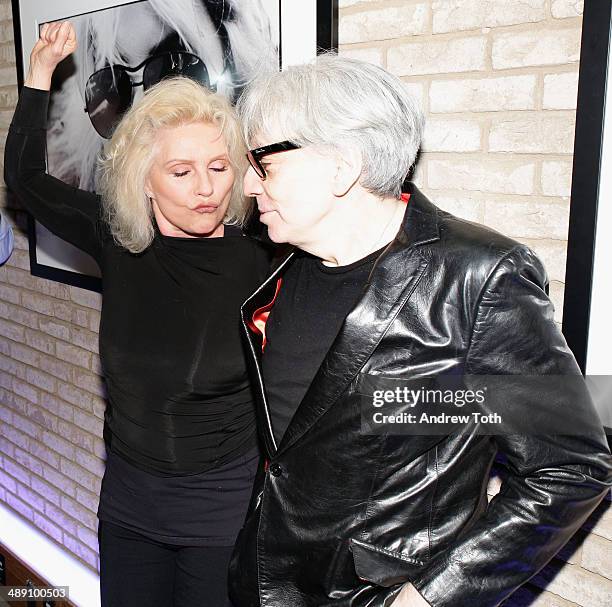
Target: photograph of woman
[(175, 265), (125, 49)]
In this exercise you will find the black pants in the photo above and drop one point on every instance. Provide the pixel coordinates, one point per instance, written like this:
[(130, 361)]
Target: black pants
[(135, 570)]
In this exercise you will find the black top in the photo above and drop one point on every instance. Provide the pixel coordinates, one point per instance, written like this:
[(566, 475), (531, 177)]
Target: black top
[(170, 346), (311, 306)]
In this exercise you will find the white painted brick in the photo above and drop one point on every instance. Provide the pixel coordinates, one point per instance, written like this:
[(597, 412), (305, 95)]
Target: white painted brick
[(85, 339), (78, 474), (11, 330), (451, 135), (525, 596), (482, 174), (597, 556), (39, 303), (58, 444), (22, 316), (73, 354), (66, 523), (534, 134), (75, 396), (88, 299), (370, 55), (88, 556), (383, 23), (561, 9), (54, 328), (37, 449), (536, 47), (27, 461), (552, 254), (15, 436), (556, 292), (44, 524), (528, 218), (8, 482), (87, 498), (560, 91), (18, 259), (600, 522), (90, 381), (6, 12), (56, 367), (17, 471), (42, 417), (436, 57), (27, 392), (94, 464), (417, 91), (88, 422), (88, 537), (453, 15), (20, 506), (576, 585), (557, 178), (85, 516), (7, 55), (461, 205), (57, 407), (77, 436), (31, 498), (10, 294), (345, 3), (24, 354), (58, 480), (483, 94), (40, 341)]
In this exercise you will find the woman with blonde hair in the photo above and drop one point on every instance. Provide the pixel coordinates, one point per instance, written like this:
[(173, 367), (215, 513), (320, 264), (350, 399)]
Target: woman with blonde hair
[(175, 268)]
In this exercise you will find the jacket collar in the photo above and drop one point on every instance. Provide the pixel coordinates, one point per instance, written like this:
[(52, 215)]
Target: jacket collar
[(391, 283)]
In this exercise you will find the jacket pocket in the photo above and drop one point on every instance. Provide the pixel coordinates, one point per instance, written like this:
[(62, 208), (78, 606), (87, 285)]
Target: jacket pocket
[(381, 566)]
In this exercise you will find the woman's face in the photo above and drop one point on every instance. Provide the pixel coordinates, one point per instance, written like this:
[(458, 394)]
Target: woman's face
[(190, 180)]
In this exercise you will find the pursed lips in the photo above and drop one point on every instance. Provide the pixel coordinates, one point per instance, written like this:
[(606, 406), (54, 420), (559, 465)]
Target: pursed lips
[(205, 208)]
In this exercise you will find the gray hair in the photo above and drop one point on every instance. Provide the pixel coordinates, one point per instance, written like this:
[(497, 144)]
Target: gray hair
[(335, 102)]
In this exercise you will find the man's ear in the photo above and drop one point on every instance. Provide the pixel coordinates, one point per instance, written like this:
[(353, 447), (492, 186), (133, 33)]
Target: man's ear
[(348, 170)]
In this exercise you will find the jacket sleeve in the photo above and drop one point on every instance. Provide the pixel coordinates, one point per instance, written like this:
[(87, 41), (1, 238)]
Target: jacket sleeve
[(70, 213), (553, 482)]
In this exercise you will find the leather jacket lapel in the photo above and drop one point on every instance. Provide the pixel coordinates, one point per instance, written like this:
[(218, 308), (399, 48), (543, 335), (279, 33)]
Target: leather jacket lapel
[(263, 295)]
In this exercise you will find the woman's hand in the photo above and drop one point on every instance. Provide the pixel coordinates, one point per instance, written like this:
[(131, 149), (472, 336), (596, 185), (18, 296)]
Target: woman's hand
[(57, 40)]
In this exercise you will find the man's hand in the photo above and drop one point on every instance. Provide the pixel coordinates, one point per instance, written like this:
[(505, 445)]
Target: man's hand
[(409, 597), (57, 41)]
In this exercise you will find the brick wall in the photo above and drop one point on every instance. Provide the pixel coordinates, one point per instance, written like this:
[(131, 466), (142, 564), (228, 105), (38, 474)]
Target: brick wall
[(498, 82)]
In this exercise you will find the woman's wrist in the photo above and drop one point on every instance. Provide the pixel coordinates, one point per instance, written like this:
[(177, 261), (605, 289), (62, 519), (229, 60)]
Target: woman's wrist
[(39, 79)]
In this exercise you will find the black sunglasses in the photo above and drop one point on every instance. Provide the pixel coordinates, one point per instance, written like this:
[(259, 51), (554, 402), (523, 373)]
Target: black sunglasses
[(257, 154), (109, 92)]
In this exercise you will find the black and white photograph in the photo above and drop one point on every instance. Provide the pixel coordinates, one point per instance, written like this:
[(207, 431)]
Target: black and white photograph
[(129, 46)]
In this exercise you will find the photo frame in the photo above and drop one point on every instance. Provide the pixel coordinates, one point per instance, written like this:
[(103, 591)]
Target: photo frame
[(588, 281), (302, 30)]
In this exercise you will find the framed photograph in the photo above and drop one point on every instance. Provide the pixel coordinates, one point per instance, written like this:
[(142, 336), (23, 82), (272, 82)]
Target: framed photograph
[(225, 41), (588, 280)]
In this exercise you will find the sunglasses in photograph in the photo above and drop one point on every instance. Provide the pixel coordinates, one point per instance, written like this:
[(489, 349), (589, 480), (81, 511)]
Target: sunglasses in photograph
[(109, 92)]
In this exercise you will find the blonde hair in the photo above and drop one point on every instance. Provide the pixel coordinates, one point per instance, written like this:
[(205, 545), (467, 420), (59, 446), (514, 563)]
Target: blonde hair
[(127, 158)]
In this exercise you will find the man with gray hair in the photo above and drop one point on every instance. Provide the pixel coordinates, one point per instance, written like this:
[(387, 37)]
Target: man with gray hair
[(384, 289)]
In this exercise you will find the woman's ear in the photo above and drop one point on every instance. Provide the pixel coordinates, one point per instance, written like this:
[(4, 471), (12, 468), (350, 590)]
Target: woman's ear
[(348, 170)]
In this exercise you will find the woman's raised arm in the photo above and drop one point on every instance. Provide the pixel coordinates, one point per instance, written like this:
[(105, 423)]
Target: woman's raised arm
[(70, 213)]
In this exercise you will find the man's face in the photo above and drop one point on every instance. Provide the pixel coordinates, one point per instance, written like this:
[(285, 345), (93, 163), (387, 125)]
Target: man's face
[(296, 197)]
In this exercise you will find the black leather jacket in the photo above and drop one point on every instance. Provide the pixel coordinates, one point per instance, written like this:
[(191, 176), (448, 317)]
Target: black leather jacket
[(343, 518)]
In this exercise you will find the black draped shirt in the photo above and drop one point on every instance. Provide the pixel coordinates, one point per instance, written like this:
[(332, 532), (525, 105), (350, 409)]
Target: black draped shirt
[(179, 400)]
